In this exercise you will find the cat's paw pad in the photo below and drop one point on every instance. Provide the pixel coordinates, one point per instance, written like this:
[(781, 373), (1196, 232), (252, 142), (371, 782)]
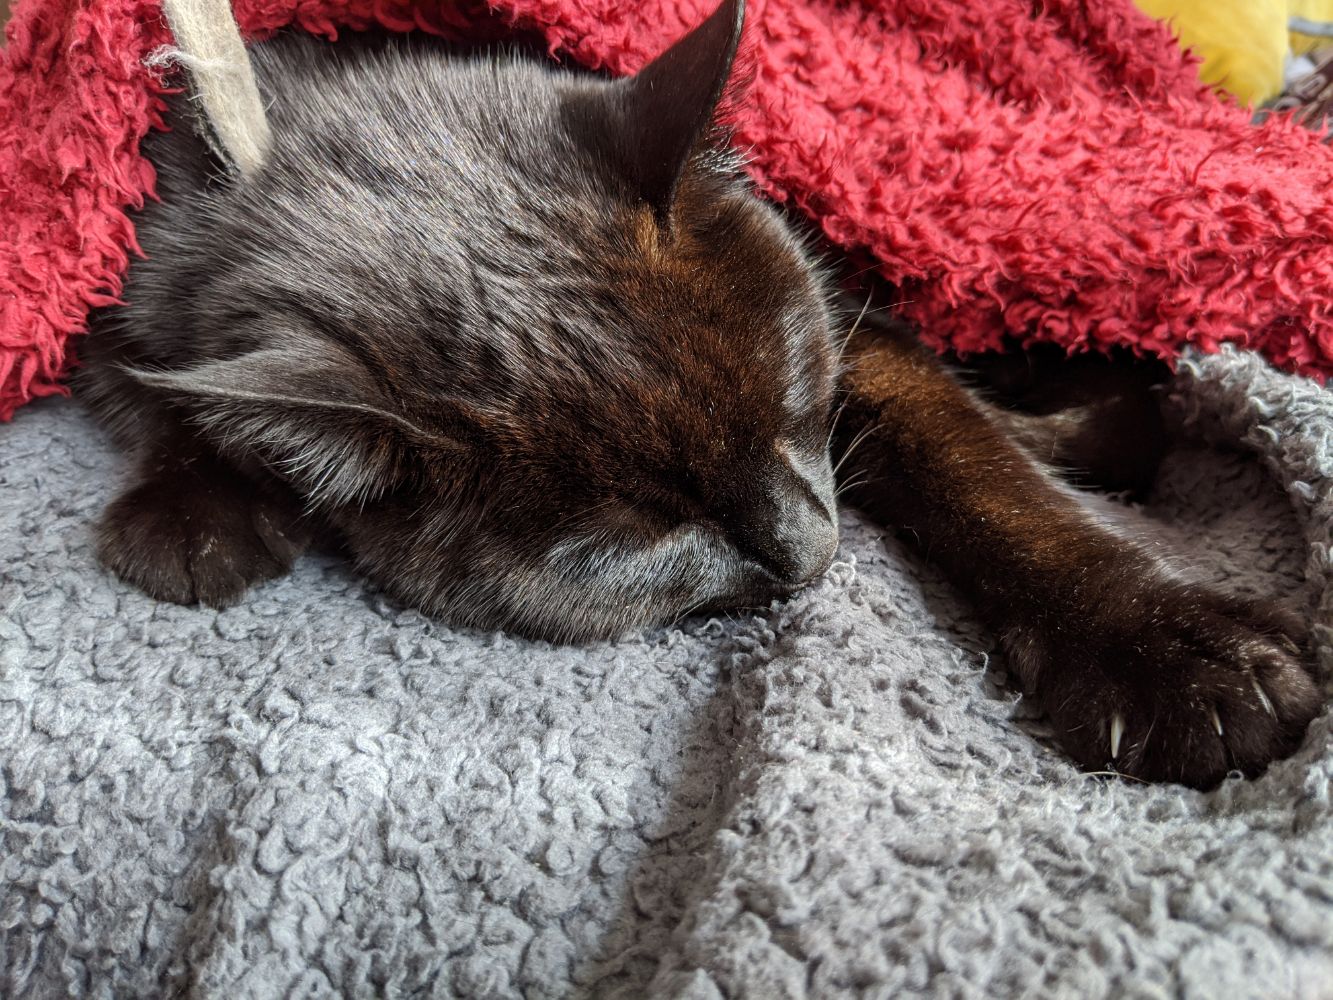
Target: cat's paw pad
[(1178, 684), (197, 540)]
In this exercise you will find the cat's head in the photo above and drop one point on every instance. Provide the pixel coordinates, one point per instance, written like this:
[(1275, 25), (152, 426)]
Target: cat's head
[(566, 376)]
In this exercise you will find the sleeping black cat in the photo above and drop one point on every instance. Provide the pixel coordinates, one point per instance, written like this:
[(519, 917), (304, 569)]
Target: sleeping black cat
[(527, 342)]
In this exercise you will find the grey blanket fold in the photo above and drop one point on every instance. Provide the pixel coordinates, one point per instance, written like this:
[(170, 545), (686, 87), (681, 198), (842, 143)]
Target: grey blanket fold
[(320, 793)]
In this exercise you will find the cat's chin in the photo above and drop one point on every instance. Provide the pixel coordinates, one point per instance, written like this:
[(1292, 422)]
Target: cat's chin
[(749, 601), (744, 602)]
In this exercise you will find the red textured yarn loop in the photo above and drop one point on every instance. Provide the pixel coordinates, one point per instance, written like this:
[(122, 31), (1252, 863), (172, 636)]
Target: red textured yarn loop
[(1055, 175)]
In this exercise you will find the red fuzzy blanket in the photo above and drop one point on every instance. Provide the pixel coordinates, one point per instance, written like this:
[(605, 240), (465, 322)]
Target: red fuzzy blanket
[(1054, 175)]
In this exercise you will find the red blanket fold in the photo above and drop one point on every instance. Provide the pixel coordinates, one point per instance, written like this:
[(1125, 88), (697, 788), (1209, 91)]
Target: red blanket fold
[(1050, 172)]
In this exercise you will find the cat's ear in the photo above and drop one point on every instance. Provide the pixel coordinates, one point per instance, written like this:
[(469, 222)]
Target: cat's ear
[(309, 411), (659, 114)]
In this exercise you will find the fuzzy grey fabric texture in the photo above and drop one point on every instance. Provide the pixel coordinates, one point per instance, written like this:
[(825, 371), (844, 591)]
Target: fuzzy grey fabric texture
[(321, 793)]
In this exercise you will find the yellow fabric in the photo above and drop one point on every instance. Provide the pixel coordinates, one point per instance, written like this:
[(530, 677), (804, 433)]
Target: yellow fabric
[(1319, 11), (1243, 43)]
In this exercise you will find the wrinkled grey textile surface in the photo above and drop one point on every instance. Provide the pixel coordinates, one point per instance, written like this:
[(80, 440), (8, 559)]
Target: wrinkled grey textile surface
[(319, 793)]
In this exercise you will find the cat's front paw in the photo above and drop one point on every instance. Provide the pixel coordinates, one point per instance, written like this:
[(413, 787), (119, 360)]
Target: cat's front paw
[(1170, 682), (200, 535)]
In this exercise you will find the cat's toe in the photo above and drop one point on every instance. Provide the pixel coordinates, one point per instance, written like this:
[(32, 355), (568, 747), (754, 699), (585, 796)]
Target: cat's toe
[(140, 543), (206, 546), (223, 568), (1266, 619), (1236, 707)]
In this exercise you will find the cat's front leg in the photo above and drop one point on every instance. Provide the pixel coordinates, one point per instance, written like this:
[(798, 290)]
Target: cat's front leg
[(1138, 671), (193, 528)]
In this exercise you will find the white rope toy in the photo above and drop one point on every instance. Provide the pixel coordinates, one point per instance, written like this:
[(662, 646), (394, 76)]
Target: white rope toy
[(208, 44)]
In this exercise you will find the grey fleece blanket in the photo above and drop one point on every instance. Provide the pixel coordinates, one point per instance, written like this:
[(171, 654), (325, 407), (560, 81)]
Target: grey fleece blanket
[(321, 793)]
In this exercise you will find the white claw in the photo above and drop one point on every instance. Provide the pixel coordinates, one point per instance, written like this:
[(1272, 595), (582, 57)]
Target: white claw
[(1217, 722), (1117, 731), (1263, 698)]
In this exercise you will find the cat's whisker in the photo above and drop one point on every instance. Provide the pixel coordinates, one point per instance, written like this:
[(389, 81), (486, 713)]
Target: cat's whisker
[(889, 307), (586, 513), (851, 332), (833, 425), (854, 483), (857, 441), (691, 609), (872, 266), (851, 485), (846, 367), (1114, 774)]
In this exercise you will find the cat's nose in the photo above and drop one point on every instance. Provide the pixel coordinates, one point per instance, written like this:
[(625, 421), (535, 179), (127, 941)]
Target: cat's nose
[(784, 523), (803, 544), (794, 542)]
